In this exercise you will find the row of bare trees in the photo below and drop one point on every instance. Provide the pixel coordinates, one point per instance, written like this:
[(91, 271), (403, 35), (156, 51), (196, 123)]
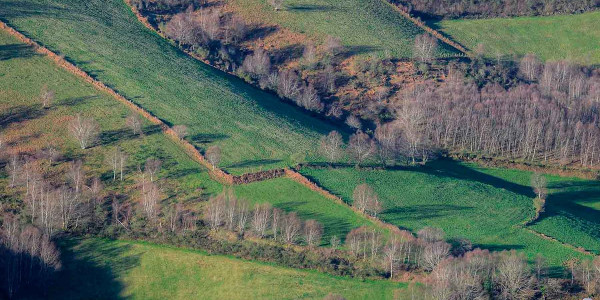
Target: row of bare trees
[(227, 211), (400, 251)]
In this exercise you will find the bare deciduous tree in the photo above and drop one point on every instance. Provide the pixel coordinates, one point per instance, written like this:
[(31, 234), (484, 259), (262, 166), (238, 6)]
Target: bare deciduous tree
[(243, 215), (181, 131), (291, 227), (134, 122), (213, 155), (354, 122), (313, 231), (331, 146), (530, 67), (538, 183), (46, 96), (425, 47), (364, 198), (433, 254), (309, 55), (276, 4), (513, 277), (257, 64), (260, 219), (431, 234), (333, 46), (215, 211), (76, 175), (150, 194), (84, 130), (361, 147), (152, 166), (117, 160)]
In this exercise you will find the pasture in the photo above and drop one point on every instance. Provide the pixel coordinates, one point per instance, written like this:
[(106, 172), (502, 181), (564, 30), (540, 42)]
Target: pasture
[(254, 129), (570, 37), (102, 269), (486, 206), (364, 26)]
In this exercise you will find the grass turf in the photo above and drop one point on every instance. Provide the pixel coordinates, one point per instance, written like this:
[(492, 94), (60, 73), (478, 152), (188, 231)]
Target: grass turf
[(255, 130), (572, 37), (103, 269), (364, 26), (487, 206)]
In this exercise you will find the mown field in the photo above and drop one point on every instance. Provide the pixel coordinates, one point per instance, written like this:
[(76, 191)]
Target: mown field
[(571, 37), (26, 126), (364, 26), (254, 129), (102, 269), (486, 206)]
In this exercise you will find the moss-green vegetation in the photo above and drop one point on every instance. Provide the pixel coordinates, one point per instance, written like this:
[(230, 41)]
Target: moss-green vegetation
[(572, 37), (364, 26), (254, 129), (487, 206), (101, 269), (288, 195)]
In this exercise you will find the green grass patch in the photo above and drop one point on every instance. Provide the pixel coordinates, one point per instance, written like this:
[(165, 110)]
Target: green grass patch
[(29, 127), (487, 206), (288, 195), (102, 269), (254, 129), (364, 26), (572, 37)]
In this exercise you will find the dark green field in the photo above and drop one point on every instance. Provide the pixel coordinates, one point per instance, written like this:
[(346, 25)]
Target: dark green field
[(487, 206)]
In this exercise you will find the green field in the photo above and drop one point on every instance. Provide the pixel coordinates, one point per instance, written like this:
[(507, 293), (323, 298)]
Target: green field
[(102, 269), (254, 129), (289, 196), (29, 127), (364, 26), (25, 124), (571, 37), (487, 206)]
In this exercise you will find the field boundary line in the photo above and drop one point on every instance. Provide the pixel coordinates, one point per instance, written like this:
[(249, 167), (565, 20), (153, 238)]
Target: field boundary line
[(216, 173), (404, 12), (303, 180), (547, 237)]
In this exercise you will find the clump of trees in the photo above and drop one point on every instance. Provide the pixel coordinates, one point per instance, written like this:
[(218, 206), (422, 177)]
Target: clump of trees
[(497, 8), (229, 212), (28, 257)]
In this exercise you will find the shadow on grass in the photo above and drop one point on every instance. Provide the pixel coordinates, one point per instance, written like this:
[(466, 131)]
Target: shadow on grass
[(72, 101), (418, 212), (18, 114), (206, 138), (11, 51), (454, 169), (310, 7), (110, 137), (91, 269), (24, 9)]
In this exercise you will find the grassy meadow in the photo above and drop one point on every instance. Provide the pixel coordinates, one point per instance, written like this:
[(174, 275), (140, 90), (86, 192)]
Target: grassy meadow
[(571, 37), (486, 206), (364, 26), (28, 127), (255, 130), (102, 269)]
